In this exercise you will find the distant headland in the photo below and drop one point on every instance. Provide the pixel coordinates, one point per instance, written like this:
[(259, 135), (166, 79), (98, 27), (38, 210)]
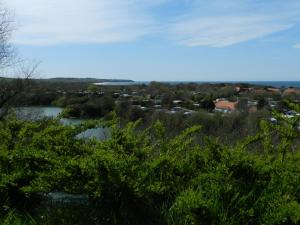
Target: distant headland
[(87, 80)]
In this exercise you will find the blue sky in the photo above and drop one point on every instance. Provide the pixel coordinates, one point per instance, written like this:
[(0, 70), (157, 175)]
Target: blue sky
[(205, 40)]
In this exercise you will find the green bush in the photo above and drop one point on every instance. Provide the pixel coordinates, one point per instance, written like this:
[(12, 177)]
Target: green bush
[(145, 177)]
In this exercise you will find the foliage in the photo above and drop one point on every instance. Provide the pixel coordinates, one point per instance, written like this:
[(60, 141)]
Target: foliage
[(145, 177)]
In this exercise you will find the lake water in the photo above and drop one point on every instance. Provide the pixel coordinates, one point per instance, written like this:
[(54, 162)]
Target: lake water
[(34, 113)]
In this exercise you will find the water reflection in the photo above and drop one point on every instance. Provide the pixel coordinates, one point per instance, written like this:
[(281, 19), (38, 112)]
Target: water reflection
[(35, 113)]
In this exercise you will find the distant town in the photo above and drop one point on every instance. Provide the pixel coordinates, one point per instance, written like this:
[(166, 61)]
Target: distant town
[(95, 98)]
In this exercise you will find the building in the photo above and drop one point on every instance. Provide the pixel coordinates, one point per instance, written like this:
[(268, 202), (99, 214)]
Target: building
[(225, 106), (274, 90), (177, 102), (290, 91), (243, 90), (260, 91), (252, 106)]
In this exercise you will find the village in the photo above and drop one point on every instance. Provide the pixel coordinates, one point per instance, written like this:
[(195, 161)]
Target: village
[(90, 100), (242, 100)]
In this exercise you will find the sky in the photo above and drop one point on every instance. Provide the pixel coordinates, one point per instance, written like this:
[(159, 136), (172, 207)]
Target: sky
[(163, 40)]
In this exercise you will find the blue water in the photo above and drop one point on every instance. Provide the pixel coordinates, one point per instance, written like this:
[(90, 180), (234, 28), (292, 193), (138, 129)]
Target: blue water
[(39, 112), (278, 84)]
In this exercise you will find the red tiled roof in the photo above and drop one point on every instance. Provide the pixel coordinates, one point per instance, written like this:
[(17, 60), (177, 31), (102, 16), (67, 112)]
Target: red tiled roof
[(226, 105), (276, 90), (291, 91), (260, 91)]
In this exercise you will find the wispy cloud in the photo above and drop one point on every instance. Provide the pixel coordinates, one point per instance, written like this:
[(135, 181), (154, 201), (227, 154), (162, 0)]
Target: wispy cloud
[(213, 23), (297, 46), (220, 23), (226, 30), (67, 21)]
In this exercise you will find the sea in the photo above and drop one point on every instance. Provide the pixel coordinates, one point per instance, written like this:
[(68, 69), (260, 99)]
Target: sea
[(278, 84)]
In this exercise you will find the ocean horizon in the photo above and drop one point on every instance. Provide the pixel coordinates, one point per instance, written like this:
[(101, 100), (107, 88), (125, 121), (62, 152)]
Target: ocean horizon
[(278, 84)]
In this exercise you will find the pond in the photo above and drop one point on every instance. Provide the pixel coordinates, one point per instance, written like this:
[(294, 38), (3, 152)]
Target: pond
[(39, 112), (33, 113)]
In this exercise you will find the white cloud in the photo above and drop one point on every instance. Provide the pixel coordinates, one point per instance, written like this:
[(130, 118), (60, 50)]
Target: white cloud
[(224, 23), (225, 31), (213, 23), (43, 22)]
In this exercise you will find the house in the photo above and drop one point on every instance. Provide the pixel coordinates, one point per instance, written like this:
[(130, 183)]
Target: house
[(273, 104), (126, 96), (252, 106), (273, 120), (188, 113), (243, 89), (143, 108), (291, 90), (176, 109), (252, 103), (225, 106), (274, 90), (177, 102), (260, 91)]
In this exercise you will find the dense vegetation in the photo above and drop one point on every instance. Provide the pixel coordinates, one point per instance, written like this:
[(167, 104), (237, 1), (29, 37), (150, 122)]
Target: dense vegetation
[(144, 177), (155, 101)]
